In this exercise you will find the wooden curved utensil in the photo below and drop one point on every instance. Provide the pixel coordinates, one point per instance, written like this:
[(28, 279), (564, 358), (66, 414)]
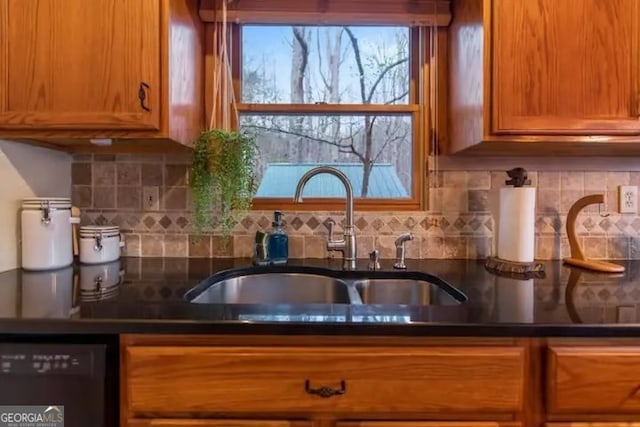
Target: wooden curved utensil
[(577, 257)]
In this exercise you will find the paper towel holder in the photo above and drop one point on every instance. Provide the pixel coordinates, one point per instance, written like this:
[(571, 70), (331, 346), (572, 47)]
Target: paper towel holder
[(518, 178), (577, 257)]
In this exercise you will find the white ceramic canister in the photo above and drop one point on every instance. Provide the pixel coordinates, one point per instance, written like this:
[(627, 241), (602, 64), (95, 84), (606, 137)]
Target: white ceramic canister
[(99, 244), (99, 282), (46, 233), (10, 293), (47, 294)]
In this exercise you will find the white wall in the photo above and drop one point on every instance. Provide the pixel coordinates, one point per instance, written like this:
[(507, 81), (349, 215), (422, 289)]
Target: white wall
[(26, 171)]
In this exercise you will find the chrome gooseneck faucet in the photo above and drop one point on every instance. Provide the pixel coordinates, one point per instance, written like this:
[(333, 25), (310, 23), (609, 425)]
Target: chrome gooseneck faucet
[(348, 243)]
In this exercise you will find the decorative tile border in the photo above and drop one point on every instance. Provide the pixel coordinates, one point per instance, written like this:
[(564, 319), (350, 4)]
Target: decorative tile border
[(459, 223), (436, 236)]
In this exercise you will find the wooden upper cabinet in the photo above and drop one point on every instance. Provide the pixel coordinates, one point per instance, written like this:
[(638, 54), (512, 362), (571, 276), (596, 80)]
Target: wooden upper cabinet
[(77, 64), (78, 69), (565, 66), (544, 77)]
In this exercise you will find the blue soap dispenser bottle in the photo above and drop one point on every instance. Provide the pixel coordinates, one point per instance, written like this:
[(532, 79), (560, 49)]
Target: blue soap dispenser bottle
[(278, 241)]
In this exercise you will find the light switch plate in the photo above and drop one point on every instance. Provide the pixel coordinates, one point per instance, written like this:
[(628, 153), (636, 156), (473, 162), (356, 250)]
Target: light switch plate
[(151, 198)]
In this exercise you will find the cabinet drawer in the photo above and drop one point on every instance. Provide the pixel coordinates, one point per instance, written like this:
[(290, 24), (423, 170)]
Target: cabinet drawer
[(220, 423), (593, 380), (181, 380), (427, 424), (597, 424)]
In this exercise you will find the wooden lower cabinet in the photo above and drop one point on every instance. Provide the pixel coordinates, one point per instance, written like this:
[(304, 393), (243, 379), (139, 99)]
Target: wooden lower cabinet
[(176, 380), (171, 382), (426, 424), (299, 382), (594, 424), (593, 380), (286, 423), (217, 423)]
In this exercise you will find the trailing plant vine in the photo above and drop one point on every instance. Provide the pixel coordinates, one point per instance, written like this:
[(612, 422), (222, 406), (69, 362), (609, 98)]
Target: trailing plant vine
[(222, 177)]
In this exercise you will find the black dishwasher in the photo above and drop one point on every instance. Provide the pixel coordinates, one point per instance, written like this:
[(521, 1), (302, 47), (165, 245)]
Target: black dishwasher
[(63, 381)]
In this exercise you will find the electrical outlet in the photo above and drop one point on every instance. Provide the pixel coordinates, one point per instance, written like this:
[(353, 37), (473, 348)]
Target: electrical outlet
[(628, 197), (151, 198)]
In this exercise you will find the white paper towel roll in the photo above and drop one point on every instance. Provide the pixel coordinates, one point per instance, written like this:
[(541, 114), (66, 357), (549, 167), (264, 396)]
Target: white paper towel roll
[(516, 224), (514, 300)]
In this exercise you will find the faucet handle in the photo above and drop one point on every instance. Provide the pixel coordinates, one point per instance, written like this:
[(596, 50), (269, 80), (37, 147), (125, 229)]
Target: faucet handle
[(374, 260), (330, 224)]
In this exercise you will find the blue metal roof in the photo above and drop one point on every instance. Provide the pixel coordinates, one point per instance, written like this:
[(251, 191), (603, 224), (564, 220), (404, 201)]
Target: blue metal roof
[(280, 180)]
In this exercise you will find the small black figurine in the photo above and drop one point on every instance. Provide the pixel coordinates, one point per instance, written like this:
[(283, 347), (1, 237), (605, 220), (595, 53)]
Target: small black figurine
[(518, 177)]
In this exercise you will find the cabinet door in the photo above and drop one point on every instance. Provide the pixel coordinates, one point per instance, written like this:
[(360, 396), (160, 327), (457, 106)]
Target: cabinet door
[(78, 64), (215, 423), (565, 67), (583, 424), (426, 424), (593, 380)]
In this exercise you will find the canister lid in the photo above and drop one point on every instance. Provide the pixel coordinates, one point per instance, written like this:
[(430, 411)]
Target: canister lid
[(52, 202), (103, 230)]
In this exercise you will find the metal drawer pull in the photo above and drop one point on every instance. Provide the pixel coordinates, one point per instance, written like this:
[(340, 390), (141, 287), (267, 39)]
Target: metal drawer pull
[(325, 391)]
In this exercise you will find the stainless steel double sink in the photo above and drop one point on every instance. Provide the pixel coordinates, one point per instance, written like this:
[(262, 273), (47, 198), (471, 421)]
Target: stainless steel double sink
[(297, 285)]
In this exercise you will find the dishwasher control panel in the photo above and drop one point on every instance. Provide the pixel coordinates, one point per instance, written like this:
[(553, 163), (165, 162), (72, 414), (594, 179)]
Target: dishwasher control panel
[(35, 359)]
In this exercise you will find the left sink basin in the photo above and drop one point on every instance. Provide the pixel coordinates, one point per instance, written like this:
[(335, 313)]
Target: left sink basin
[(271, 288)]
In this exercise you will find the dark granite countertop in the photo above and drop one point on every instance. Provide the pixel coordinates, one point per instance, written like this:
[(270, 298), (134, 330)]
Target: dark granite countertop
[(148, 297)]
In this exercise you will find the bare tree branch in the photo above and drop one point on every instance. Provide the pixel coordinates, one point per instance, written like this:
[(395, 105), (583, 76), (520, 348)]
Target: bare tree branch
[(321, 72), (344, 52), (371, 123), (397, 98), (333, 46), (342, 148), (293, 133), (388, 142), (356, 53), (298, 77), (350, 149), (304, 46), (381, 76), (351, 137)]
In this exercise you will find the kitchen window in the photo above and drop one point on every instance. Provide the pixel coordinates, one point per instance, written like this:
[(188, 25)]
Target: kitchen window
[(354, 97)]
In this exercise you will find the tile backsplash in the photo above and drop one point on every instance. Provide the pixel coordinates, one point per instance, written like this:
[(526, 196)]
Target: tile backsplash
[(109, 190)]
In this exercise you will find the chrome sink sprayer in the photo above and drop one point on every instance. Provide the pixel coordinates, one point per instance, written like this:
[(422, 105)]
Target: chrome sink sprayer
[(400, 250), (348, 243)]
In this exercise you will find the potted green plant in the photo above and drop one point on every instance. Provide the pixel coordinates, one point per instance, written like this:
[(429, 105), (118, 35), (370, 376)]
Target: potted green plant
[(222, 171), (222, 177)]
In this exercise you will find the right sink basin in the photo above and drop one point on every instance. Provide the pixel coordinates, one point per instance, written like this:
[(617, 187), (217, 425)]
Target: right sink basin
[(403, 291)]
